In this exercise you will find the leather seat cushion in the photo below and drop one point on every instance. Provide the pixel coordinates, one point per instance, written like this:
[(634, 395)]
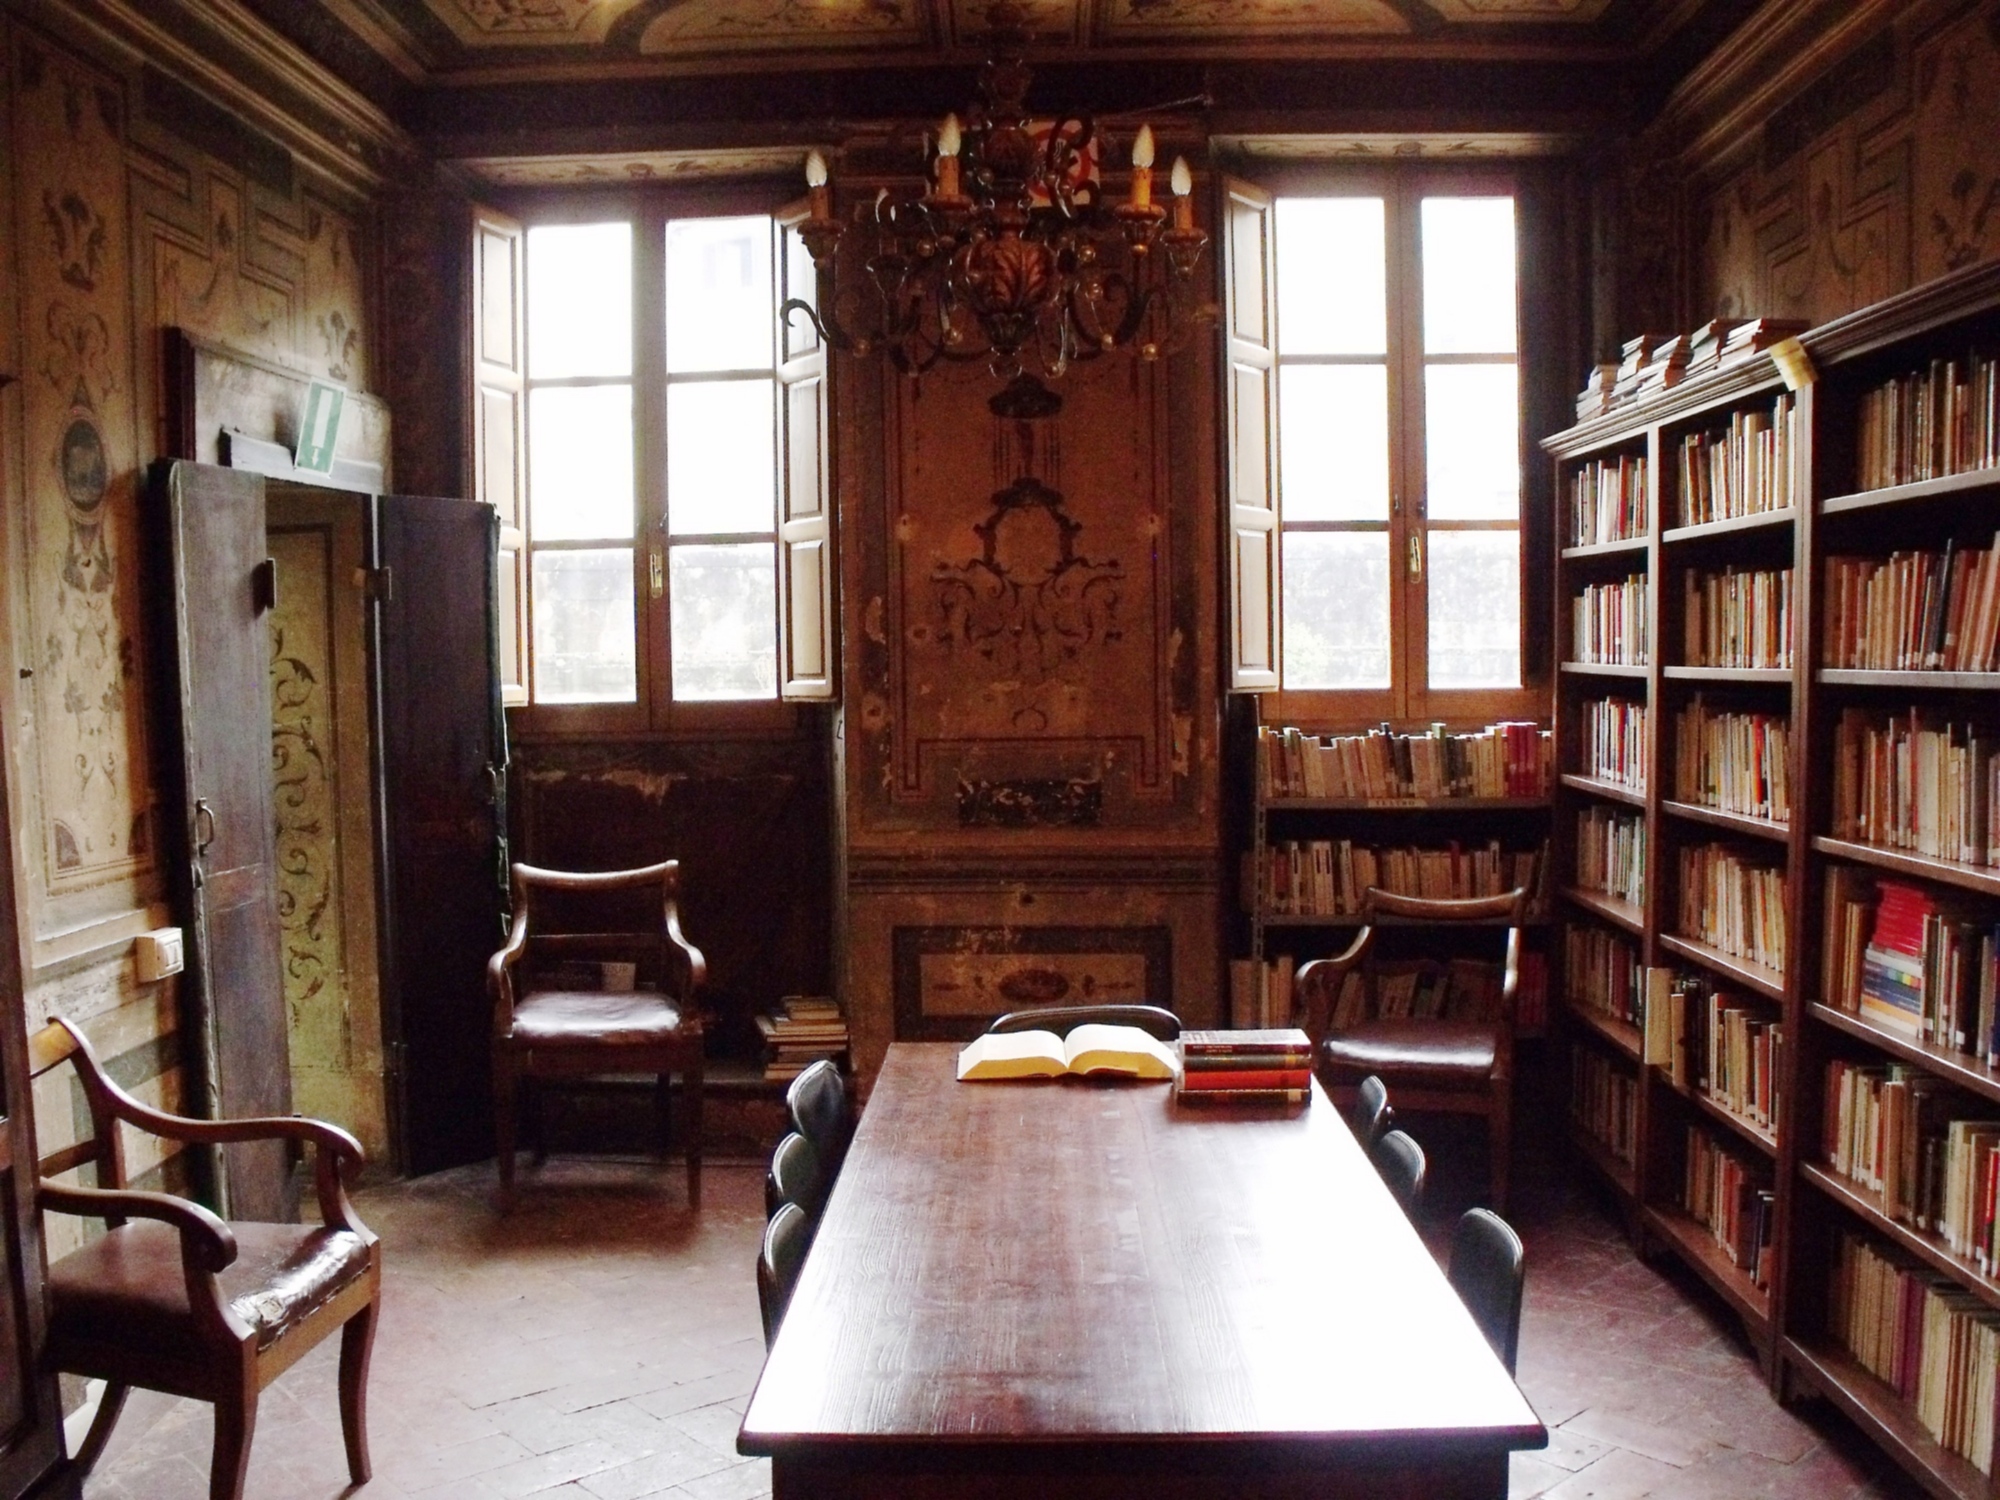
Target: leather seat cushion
[(128, 1286), (1457, 1052), (554, 1018)]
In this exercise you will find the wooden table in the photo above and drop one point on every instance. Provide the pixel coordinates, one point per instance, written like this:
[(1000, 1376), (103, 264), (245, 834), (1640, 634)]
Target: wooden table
[(1070, 1288)]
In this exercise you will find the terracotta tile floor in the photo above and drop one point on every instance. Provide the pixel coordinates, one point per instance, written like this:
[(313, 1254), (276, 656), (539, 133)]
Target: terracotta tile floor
[(600, 1344)]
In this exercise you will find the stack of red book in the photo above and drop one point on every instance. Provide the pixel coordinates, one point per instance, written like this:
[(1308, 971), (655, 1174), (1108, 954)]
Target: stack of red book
[(1246, 1067)]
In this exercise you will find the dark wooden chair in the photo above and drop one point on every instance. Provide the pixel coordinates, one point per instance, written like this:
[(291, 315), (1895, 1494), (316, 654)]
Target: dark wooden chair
[(1488, 1271), (794, 1177), (821, 1112), (786, 1238), (1155, 1020), (555, 1018), (1370, 1115), (173, 1299), (1458, 1066), (1400, 1160)]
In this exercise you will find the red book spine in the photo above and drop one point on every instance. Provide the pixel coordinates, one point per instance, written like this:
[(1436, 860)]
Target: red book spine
[(1208, 1080)]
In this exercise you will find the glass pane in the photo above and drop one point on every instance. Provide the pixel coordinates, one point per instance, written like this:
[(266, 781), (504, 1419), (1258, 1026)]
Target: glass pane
[(1336, 609), (1332, 289), (1333, 442), (725, 620), (585, 650), (579, 300), (1468, 247), (722, 457), (580, 462), (802, 282), (1472, 442), (720, 312), (1475, 609)]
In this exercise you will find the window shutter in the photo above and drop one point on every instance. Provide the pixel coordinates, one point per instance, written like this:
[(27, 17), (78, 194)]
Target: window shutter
[(499, 423), (1250, 341), (807, 606)]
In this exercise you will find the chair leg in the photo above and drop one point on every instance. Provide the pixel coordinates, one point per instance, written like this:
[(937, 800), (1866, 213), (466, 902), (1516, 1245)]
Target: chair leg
[(1499, 1143), (504, 1103), (538, 1118), (663, 1114), (235, 1424), (109, 1405), (357, 1344), (691, 1082)]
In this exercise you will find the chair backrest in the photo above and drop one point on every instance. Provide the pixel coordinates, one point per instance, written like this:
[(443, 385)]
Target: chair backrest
[(1155, 1020), (1326, 987), (818, 1104), (1400, 1160), (778, 1262), (643, 932), (794, 1177), (1488, 1270), (1370, 1115), (60, 1042)]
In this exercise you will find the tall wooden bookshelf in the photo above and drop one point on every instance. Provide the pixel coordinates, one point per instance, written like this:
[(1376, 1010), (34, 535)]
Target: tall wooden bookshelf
[(1832, 516)]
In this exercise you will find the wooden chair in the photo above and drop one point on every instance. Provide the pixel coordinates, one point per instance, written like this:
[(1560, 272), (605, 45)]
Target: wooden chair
[(1370, 1116), (794, 1177), (555, 1018), (1155, 1020), (821, 1112), (1488, 1271), (1459, 1066), (1400, 1160), (786, 1239), (173, 1299)]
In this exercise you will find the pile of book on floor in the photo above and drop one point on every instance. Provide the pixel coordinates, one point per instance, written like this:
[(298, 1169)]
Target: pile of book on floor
[(1271, 1066), (801, 1031)]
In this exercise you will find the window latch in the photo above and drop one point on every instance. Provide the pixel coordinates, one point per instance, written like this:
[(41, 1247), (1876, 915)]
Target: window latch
[(1416, 557), (657, 567)]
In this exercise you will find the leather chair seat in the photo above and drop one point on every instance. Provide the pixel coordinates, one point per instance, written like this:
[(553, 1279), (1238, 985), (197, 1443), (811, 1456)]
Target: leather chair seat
[(592, 1018), (1459, 1052), (128, 1287)]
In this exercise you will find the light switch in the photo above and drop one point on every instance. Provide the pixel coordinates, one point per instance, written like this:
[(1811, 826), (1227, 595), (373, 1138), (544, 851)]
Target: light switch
[(159, 953)]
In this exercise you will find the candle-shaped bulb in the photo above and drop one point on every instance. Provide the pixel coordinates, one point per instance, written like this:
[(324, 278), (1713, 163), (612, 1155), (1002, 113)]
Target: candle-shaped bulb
[(947, 158), (1142, 147), (948, 136), (815, 170), (1183, 179)]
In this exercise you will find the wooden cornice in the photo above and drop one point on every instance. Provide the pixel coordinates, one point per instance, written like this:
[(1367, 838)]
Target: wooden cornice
[(226, 52)]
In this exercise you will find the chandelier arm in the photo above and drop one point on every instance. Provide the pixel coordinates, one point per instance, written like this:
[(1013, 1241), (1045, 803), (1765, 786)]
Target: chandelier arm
[(828, 328)]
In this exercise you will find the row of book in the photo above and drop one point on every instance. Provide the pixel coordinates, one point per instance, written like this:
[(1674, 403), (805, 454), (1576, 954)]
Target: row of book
[(1733, 1200), (1911, 963), (1930, 1340), (1604, 1102), (1267, 1065), (1654, 362), (1602, 973), (802, 1030), (1608, 623), (1611, 853), (1456, 989), (1902, 1134), (1733, 762), (1330, 877), (1930, 423), (1614, 741), (1899, 783), (1607, 501), (1260, 992), (1508, 759), (1744, 469), (1720, 1045), (1914, 611), (1737, 618), (1733, 904)]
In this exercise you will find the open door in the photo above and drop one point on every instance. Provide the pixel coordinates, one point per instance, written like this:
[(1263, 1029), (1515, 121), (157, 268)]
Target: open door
[(444, 752)]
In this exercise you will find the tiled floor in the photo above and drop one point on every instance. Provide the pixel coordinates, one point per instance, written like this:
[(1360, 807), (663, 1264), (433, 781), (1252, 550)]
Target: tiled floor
[(600, 1344)]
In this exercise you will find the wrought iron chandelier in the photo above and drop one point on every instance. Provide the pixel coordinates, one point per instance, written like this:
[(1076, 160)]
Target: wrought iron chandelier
[(1011, 254)]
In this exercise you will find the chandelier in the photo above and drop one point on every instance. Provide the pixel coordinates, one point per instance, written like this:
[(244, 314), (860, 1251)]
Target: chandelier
[(1010, 255)]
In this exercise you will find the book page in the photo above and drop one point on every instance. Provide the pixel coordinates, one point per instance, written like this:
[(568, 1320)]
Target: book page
[(1123, 1050), (1015, 1054)]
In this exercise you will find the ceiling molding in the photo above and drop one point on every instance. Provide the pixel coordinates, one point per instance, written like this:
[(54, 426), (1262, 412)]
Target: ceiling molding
[(617, 169), (1427, 146), (387, 36)]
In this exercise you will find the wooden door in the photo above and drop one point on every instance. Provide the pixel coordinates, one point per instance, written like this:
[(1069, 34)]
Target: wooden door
[(219, 591), (444, 751)]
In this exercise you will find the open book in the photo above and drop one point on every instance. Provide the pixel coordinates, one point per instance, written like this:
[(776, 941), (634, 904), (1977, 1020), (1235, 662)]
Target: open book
[(1119, 1051)]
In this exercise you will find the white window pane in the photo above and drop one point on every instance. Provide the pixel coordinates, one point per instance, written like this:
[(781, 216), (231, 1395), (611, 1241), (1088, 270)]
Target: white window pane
[(580, 462), (1468, 249), (802, 282), (1472, 446), (720, 311), (1333, 442), (725, 620), (1475, 609), (1336, 609), (721, 457), (585, 651), (579, 300), (1332, 282)]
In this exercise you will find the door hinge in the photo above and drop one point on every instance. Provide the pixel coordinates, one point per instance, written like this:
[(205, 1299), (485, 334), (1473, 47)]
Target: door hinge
[(377, 584), (264, 585)]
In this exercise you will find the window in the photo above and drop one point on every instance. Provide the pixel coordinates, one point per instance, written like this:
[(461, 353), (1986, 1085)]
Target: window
[(1376, 422), (668, 425)]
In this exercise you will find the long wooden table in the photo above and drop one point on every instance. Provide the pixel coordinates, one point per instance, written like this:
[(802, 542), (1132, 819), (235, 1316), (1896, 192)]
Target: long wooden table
[(1078, 1287)]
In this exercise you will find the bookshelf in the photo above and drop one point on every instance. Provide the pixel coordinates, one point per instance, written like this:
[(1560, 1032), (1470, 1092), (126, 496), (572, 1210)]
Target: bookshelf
[(1730, 775)]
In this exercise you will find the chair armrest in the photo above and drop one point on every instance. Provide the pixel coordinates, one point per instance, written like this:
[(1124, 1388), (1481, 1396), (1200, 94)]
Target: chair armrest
[(697, 966), (205, 1240), (1319, 984), (499, 970)]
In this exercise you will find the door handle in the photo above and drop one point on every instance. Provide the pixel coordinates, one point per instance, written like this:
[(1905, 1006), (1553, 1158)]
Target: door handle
[(203, 813), (491, 773)]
